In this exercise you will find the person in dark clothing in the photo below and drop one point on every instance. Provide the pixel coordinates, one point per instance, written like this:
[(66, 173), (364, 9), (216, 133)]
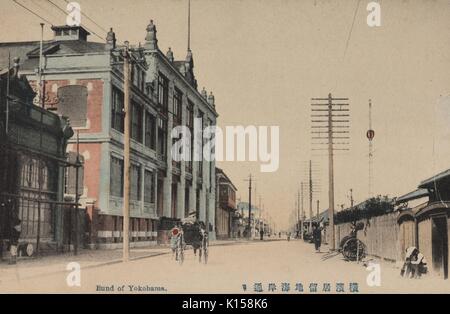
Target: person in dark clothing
[(11, 228), (317, 237)]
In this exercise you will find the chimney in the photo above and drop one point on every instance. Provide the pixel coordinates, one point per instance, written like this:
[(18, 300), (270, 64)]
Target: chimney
[(169, 55), (111, 40), (65, 33), (151, 42)]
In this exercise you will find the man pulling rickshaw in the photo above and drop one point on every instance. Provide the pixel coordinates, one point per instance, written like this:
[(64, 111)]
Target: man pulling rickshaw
[(190, 231)]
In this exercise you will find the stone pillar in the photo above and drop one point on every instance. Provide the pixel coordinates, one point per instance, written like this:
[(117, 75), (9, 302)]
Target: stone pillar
[(182, 183), (192, 196), (180, 198), (155, 191), (193, 189), (204, 190), (168, 178), (202, 215)]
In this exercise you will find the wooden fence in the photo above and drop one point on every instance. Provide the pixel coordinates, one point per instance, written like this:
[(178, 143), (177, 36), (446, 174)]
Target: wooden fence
[(381, 236)]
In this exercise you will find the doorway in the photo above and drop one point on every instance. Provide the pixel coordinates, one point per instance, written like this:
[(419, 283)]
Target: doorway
[(439, 238)]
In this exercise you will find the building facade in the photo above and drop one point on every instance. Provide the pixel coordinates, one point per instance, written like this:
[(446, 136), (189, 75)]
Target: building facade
[(84, 81), (33, 161), (226, 205)]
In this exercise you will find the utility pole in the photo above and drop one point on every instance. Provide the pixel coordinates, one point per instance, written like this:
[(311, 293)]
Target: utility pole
[(7, 93), (310, 197), (249, 205), (370, 135), (260, 215), (41, 85), (329, 122), (318, 209), (77, 194), (298, 212), (351, 198), (126, 196), (303, 210), (40, 171)]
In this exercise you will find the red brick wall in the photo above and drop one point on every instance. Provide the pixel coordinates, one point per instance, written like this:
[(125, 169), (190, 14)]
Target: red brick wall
[(94, 101), (91, 167)]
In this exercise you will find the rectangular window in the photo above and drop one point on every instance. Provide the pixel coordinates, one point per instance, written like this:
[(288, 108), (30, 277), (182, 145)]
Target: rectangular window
[(163, 91), (162, 131), (177, 106), (149, 187), (136, 122), (116, 177), (117, 113), (135, 182), (190, 125), (150, 130), (202, 125)]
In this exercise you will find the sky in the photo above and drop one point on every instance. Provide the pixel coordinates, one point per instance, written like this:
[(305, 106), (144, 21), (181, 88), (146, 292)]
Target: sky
[(265, 59)]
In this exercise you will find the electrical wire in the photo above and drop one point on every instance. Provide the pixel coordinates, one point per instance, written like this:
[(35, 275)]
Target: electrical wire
[(32, 12), (65, 13), (90, 19)]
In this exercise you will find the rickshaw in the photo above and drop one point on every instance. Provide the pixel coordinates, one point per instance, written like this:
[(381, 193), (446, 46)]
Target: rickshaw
[(351, 247), (192, 233)]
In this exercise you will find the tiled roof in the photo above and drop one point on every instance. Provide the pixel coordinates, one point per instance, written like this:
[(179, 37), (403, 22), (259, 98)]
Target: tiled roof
[(412, 196), (28, 52), (438, 177)]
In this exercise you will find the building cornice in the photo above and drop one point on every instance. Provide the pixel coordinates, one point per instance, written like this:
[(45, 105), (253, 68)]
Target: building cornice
[(159, 53)]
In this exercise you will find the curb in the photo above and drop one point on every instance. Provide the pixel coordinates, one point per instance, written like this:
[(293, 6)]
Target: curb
[(132, 259)]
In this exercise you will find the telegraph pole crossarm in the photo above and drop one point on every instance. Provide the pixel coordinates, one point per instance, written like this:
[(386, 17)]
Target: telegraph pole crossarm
[(328, 115)]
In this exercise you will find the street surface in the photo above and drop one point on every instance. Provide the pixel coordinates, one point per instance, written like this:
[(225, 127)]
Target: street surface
[(253, 267)]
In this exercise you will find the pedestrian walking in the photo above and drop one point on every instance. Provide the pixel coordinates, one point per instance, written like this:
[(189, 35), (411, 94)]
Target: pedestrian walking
[(317, 237)]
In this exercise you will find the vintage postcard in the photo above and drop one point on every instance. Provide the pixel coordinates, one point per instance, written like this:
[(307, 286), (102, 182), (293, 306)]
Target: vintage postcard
[(255, 147)]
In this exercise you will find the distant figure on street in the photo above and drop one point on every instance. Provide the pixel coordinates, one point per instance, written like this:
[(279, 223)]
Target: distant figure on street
[(261, 234), (289, 236), (317, 237)]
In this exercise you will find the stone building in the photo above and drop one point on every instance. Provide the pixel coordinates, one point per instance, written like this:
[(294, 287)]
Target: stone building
[(84, 81), (185, 186), (226, 205)]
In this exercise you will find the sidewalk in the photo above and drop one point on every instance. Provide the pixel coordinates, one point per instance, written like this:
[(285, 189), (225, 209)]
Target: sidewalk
[(27, 268)]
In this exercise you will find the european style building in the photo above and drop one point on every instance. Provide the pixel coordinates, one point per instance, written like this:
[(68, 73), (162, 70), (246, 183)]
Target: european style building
[(84, 81)]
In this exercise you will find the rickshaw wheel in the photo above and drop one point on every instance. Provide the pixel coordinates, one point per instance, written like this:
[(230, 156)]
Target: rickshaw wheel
[(354, 249)]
